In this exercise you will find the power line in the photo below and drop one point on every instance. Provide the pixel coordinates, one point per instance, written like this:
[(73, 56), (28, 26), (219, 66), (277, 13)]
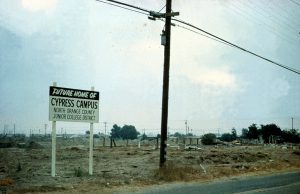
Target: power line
[(194, 31), (128, 5), (212, 36), (261, 22), (283, 7), (296, 3), (286, 15), (162, 8), (238, 47), (271, 17), (140, 12)]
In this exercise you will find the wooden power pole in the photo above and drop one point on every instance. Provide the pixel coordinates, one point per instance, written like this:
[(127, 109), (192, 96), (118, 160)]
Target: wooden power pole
[(165, 96)]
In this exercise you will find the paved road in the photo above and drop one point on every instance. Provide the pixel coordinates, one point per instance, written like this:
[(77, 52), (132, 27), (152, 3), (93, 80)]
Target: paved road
[(270, 184)]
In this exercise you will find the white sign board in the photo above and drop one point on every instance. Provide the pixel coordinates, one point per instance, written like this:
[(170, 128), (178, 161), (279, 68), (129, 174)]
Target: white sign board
[(66, 104)]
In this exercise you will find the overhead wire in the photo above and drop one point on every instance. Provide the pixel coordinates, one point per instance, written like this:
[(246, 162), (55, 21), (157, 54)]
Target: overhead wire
[(162, 8), (176, 25), (284, 14), (294, 12), (238, 47), (128, 5), (296, 3), (102, 1), (283, 11), (260, 22), (274, 18), (209, 35)]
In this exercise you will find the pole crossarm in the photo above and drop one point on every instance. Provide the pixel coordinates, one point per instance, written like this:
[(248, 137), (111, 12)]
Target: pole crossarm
[(163, 15)]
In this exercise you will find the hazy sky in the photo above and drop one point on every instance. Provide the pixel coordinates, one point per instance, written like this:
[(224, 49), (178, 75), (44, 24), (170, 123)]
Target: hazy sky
[(80, 44)]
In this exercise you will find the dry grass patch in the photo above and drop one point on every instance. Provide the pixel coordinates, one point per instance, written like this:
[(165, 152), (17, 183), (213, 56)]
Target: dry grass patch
[(172, 172), (7, 182), (39, 189)]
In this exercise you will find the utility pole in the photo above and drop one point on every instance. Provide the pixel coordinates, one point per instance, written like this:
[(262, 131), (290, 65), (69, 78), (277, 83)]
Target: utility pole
[(105, 123), (186, 127), (5, 129), (45, 130), (165, 96), (166, 39), (104, 133), (292, 123)]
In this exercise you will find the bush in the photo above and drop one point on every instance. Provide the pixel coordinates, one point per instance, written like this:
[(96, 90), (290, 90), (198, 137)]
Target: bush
[(209, 139), (290, 136), (227, 137), (19, 168), (78, 172)]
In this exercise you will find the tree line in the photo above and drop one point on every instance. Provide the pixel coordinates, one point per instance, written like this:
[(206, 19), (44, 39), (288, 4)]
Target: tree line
[(255, 132), (129, 132), (125, 132)]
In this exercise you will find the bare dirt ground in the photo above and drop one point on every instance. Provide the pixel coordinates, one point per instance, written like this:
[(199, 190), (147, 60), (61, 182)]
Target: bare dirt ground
[(125, 169)]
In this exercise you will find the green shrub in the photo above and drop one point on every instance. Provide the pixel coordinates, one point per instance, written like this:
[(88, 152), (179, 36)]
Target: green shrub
[(78, 172), (209, 139)]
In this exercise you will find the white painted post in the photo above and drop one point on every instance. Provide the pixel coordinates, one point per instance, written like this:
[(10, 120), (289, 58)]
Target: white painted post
[(91, 146), (53, 145), (139, 144)]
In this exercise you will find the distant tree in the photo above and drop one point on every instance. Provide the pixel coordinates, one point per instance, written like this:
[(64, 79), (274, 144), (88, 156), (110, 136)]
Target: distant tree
[(245, 133), (226, 137), (268, 130), (253, 132), (290, 136), (96, 136), (143, 137), (229, 137), (87, 132), (208, 139), (129, 132), (115, 132), (233, 134), (189, 134), (179, 135)]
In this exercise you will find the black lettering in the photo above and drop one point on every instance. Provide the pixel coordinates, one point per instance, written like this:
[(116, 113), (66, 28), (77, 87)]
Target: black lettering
[(86, 104), (53, 102), (62, 102)]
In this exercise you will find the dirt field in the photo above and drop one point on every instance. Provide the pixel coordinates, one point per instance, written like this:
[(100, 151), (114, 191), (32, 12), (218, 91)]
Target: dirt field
[(119, 169)]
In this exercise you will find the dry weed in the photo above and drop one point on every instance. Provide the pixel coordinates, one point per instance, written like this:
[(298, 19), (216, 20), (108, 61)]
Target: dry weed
[(39, 189), (172, 172), (7, 182)]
